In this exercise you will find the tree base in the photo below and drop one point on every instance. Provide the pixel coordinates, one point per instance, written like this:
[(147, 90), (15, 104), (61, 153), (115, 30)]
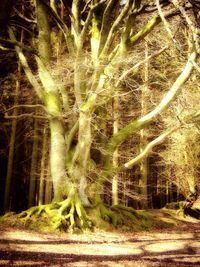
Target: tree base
[(69, 215)]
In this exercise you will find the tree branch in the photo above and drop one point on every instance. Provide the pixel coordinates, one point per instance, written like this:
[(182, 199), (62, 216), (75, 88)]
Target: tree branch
[(63, 27), (16, 43), (88, 20), (25, 115), (33, 81), (104, 26), (24, 17), (149, 26), (191, 118), (123, 76), (25, 106), (194, 28), (149, 147), (116, 23), (138, 124), (70, 136), (166, 24), (76, 15)]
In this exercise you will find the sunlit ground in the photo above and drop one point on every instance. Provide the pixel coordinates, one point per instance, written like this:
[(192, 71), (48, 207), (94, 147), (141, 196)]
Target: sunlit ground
[(179, 246)]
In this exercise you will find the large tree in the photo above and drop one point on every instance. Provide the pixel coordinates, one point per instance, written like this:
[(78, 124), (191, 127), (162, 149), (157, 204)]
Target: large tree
[(95, 41)]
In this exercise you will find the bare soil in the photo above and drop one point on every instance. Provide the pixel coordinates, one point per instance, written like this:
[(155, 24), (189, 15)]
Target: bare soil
[(178, 245)]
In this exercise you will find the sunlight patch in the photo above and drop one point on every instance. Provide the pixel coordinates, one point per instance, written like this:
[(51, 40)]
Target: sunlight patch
[(163, 247)]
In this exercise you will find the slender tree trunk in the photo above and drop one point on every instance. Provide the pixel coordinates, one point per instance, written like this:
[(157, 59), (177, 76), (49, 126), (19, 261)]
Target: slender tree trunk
[(48, 192), (12, 146), (115, 199), (43, 168), (143, 136), (34, 166)]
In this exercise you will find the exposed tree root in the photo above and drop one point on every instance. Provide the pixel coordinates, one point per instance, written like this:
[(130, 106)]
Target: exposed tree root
[(68, 214)]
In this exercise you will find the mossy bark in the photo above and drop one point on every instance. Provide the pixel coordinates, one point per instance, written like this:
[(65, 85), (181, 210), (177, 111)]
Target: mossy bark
[(44, 40), (81, 156), (43, 165), (67, 214)]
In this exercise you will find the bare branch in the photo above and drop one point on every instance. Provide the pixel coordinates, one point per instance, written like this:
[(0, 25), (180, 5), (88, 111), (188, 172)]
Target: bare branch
[(184, 14), (33, 81), (16, 43), (191, 118), (197, 67), (23, 17), (104, 27), (26, 115), (149, 147), (166, 24), (86, 5), (168, 98), (63, 27), (116, 23), (77, 15), (123, 76), (149, 26), (71, 135), (25, 106), (5, 48), (194, 29), (88, 20)]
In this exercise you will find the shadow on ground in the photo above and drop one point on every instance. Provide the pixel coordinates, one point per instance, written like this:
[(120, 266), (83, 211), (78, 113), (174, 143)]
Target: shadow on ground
[(171, 250)]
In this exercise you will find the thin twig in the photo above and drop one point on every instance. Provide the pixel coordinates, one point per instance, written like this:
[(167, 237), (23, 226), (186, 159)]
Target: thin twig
[(166, 24), (23, 17), (16, 43), (26, 115), (26, 106), (139, 64)]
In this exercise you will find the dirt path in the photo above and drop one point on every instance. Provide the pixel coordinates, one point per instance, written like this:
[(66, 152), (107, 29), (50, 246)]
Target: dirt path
[(177, 247)]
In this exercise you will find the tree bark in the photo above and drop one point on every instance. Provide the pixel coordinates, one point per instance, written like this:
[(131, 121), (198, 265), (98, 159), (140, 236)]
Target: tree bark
[(34, 166), (82, 155), (115, 181), (43, 167), (58, 159), (44, 40)]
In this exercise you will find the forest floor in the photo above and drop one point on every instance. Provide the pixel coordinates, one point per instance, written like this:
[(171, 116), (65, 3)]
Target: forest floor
[(178, 245)]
